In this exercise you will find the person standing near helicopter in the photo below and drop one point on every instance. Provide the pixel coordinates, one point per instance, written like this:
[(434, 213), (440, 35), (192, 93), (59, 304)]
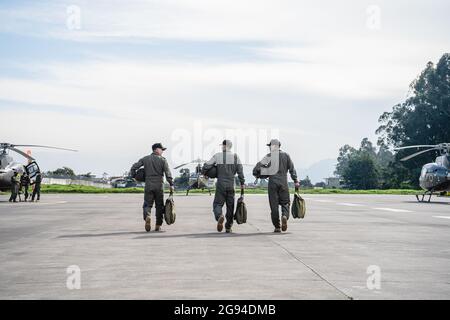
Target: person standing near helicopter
[(228, 165), (25, 185), (37, 188), (15, 186)]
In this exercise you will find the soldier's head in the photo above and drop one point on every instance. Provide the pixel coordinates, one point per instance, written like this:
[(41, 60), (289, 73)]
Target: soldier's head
[(274, 145), (227, 145), (158, 149)]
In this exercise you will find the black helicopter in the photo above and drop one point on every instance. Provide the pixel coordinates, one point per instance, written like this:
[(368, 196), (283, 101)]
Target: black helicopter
[(196, 179), (8, 166), (435, 177)]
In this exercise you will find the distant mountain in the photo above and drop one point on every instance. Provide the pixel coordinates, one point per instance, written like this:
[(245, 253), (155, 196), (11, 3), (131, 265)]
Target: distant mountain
[(319, 170)]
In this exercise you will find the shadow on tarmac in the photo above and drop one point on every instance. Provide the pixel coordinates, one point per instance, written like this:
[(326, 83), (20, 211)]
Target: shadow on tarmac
[(163, 234), (429, 203), (209, 235)]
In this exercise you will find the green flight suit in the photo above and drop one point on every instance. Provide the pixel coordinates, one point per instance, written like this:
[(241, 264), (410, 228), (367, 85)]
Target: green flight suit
[(278, 188), (228, 165), (155, 168)]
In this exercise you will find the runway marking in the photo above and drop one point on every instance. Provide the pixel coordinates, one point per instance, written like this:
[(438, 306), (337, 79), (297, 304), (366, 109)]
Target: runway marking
[(325, 201), (393, 210), (442, 217), (350, 204)]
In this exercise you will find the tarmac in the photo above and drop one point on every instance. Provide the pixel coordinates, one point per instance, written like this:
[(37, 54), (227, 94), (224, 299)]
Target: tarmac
[(347, 247)]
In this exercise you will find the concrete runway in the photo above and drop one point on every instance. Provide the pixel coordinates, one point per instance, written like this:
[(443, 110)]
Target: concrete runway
[(324, 256)]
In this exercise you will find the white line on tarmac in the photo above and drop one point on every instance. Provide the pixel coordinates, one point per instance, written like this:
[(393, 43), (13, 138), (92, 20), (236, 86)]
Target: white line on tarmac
[(326, 201), (350, 204), (441, 217), (392, 210)]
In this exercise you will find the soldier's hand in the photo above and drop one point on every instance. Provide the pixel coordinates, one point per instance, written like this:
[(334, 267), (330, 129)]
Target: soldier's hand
[(242, 186), (172, 188), (297, 184)]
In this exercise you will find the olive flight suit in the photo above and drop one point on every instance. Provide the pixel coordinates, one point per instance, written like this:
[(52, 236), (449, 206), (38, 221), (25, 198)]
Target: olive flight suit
[(228, 165), (155, 168), (278, 188)]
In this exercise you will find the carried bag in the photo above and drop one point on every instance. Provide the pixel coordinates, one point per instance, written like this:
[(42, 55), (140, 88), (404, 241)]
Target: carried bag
[(139, 176), (241, 210), (211, 173), (298, 208), (257, 172), (169, 210)]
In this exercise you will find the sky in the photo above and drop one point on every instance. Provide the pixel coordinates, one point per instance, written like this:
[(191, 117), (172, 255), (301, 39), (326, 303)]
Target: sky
[(110, 78)]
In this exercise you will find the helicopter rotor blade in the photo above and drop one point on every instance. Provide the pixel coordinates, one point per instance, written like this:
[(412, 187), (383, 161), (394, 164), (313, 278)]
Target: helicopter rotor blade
[(22, 153), (39, 146), (418, 146), (193, 161), (417, 153), (182, 165)]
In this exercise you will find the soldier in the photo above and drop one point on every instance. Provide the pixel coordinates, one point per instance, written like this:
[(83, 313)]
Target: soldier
[(37, 188), (15, 184), (228, 164), (155, 167), (25, 185), (276, 165)]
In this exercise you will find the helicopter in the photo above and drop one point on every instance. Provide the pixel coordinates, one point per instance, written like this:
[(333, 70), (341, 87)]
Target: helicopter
[(196, 179), (8, 166), (435, 176)]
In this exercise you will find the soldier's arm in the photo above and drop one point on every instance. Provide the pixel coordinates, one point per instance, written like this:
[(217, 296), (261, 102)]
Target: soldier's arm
[(240, 171), (136, 166), (167, 172), (292, 170)]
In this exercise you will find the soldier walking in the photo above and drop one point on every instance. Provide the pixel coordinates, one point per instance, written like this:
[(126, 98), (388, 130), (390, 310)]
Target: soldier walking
[(276, 165), (228, 165), (155, 167)]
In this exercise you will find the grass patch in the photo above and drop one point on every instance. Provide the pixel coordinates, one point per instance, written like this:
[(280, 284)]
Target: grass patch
[(55, 188), (95, 190)]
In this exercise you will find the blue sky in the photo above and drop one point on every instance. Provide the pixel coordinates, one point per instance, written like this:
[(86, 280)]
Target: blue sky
[(131, 73)]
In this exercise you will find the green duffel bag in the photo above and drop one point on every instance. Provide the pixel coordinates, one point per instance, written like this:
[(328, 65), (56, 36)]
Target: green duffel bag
[(298, 208), (169, 211), (241, 210)]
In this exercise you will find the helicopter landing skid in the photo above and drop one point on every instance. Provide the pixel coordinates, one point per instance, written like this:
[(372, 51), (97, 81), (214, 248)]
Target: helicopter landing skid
[(430, 193)]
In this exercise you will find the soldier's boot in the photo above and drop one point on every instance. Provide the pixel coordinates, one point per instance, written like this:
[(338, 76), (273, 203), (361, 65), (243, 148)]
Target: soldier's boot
[(158, 228), (228, 230), (148, 223), (277, 230), (284, 221), (220, 223)]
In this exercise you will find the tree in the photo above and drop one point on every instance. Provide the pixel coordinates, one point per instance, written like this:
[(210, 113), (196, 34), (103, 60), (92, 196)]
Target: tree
[(64, 171), (320, 185), (344, 156), (306, 183), (361, 168), (423, 118), (361, 172)]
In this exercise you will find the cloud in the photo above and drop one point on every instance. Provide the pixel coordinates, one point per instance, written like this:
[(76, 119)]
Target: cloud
[(312, 69)]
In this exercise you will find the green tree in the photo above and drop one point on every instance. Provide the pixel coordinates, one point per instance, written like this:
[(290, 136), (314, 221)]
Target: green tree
[(423, 118), (361, 172), (306, 183), (64, 171)]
